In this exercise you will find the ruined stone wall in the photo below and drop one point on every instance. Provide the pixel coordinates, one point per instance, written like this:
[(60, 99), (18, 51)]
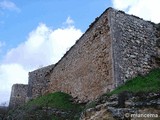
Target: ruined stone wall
[(134, 44), (38, 81), (86, 69), (18, 95)]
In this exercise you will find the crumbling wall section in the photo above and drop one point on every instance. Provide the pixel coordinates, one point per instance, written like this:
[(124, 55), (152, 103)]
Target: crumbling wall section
[(38, 81), (18, 95)]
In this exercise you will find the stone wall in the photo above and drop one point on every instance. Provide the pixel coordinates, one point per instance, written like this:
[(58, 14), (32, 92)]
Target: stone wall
[(86, 69), (18, 95), (38, 81), (134, 45), (115, 48)]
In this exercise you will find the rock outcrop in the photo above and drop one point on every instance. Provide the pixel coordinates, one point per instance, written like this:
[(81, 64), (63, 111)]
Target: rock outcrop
[(139, 106)]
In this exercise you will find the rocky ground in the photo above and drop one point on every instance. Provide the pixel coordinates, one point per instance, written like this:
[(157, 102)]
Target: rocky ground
[(120, 107), (107, 107)]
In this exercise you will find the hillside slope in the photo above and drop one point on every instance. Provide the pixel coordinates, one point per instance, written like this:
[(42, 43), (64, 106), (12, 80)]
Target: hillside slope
[(139, 95)]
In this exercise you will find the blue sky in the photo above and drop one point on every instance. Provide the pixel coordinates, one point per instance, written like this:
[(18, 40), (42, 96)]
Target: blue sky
[(17, 22), (36, 33)]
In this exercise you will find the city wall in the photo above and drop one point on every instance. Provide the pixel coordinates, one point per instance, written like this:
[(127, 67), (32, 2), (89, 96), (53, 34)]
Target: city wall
[(134, 46), (115, 48), (38, 82), (86, 69)]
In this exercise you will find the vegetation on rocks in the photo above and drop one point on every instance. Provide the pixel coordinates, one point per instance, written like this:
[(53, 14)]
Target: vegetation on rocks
[(57, 100), (54, 106), (148, 83), (138, 95)]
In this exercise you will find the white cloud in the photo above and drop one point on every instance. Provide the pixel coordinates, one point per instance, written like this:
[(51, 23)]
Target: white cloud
[(9, 75), (146, 9), (12, 73), (43, 46), (123, 4), (69, 21), (62, 40), (8, 5)]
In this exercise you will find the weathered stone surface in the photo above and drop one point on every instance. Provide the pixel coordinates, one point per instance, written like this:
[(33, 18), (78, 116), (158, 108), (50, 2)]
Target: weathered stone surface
[(18, 95), (115, 48), (135, 105), (38, 82), (134, 44), (86, 69), (97, 114)]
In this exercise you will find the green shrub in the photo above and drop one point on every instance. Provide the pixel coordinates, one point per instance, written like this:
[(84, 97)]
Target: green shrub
[(148, 83), (57, 100)]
